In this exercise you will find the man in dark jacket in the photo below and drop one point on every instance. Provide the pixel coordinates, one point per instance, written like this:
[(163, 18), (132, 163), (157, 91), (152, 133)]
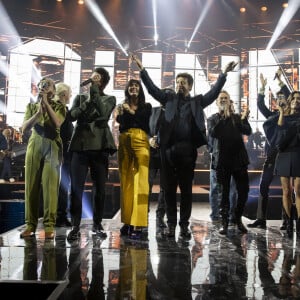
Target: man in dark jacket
[(229, 157), (155, 165), (182, 131)]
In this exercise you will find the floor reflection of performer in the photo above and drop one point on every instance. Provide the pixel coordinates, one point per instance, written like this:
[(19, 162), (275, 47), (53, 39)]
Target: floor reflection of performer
[(267, 255), (43, 255), (289, 281), (229, 264), (174, 270), (296, 274), (96, 290), (30, 260), (133, 272), (200, 255), (61, 254), (74, 289)]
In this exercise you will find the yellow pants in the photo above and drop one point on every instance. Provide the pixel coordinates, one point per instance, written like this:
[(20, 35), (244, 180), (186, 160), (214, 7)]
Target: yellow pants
[(133, 158)]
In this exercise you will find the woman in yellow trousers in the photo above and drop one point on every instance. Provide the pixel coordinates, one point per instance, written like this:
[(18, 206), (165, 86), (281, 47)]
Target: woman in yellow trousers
[(133, 158)]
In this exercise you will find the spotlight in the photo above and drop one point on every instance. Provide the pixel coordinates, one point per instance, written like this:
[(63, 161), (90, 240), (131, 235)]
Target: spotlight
[(285, 5), (155, 38), (263, 8), (242, 9), (80, 2)]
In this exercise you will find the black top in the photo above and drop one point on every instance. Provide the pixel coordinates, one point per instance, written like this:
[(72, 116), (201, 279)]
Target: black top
[(138, 120), (228, 149)]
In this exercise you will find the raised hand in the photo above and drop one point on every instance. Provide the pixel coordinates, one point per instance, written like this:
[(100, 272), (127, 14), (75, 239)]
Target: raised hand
[(137, 61), (263, 81), (245, 114), (230, 67)]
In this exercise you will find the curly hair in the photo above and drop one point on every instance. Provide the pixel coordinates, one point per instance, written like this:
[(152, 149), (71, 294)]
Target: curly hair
[(104, 75)]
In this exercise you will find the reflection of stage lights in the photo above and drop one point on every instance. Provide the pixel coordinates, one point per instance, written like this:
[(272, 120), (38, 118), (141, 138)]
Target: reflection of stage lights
[(48, 60)]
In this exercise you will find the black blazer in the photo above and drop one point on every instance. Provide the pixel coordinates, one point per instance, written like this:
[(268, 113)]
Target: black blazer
[(169, 100)]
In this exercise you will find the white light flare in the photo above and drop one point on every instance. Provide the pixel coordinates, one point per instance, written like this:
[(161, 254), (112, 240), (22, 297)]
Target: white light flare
[(97, 13), (200, 20), (3, 68), (7, 27), (154, 10), (285, 18)]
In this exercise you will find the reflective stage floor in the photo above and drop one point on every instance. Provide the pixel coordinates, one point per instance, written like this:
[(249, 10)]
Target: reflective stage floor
[(262, 264)]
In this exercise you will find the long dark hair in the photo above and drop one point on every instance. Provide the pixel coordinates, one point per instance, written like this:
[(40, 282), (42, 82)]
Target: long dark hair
[(142, 99), (290, 98)]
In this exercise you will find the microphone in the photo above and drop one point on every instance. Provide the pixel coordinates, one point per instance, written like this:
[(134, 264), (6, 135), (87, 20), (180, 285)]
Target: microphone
[(276, 76), (281, 104), (43, 84), (86, 82)]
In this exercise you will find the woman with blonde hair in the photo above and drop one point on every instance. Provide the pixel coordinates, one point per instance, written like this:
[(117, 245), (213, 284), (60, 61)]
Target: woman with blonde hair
[(43, 158), (63, 94)]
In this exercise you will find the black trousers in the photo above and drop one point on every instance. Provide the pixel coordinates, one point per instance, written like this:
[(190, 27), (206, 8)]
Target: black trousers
[(97, 163), (161, 204), (177, 170), (64, 187), (241, 179), (264, 185)]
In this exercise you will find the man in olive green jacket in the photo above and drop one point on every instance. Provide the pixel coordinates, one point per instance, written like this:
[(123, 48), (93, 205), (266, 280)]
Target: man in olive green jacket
[(91, 144)]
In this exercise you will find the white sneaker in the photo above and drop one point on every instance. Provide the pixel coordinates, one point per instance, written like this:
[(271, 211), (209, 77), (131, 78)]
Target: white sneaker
[(2, 181), (11, 180)]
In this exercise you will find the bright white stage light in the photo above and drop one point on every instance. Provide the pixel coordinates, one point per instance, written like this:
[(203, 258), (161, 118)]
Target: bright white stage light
[(207, 6), (97, 13), (285, 18), (3, 68), (154, 10)]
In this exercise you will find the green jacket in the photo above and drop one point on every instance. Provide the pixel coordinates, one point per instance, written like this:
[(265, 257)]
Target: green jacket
[(92, 113)]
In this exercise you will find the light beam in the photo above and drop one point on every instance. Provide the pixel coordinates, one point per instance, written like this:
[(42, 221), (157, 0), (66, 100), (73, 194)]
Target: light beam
[(207, 6), (285, 18), (154, 10), (97, 13)]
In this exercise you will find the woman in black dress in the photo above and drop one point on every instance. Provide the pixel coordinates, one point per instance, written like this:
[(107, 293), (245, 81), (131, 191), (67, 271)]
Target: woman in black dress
[(287, 164)]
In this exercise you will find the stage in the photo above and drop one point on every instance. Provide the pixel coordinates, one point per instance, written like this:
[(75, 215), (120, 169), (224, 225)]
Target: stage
[(262, 264)]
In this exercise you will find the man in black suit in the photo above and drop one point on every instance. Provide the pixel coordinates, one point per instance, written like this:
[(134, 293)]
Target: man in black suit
[(181, 132)]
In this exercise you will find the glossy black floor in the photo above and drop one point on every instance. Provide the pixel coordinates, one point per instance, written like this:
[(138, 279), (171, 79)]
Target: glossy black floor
[(262, 264)]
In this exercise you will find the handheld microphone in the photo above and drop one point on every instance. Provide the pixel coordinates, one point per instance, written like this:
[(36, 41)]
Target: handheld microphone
[(281, 104), (43, 84), (86, 82)]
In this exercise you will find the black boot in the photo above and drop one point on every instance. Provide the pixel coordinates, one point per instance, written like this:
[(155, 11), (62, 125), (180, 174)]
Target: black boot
[(238, 215), (224, 219), (289, 223), (170, 231), (224, 213), (284, 221), (241, 227), (223, 229)]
